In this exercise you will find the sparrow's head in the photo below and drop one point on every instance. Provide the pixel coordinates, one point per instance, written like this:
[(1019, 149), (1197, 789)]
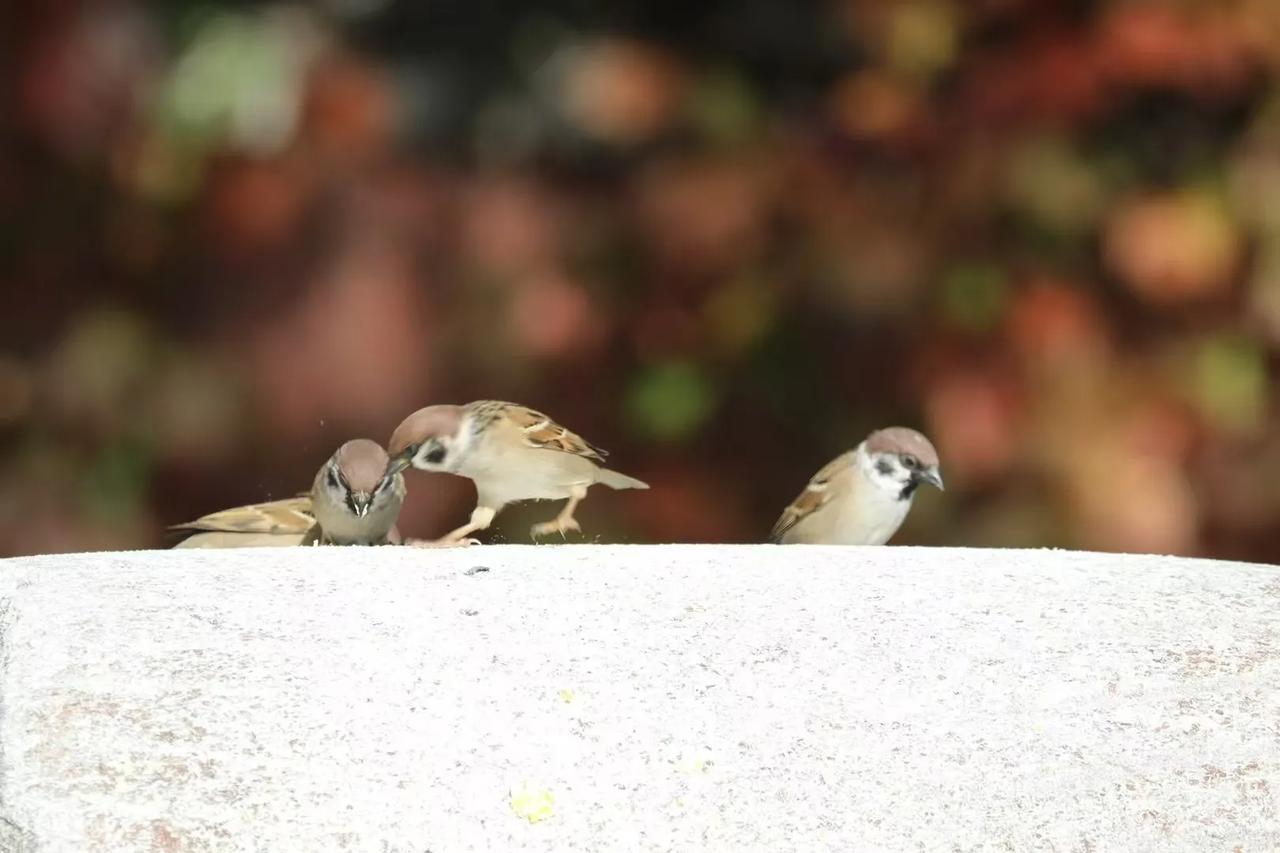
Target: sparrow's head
[(356, 476), (426, 440), (900, 459)]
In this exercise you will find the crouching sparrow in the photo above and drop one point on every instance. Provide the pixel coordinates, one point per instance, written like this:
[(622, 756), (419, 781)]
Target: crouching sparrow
[(353, 501), (271, 524), (511, 452), (861, 497)]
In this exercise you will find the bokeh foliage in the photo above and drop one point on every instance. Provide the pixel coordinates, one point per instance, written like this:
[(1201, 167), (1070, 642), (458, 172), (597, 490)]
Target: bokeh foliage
[(723, 240)]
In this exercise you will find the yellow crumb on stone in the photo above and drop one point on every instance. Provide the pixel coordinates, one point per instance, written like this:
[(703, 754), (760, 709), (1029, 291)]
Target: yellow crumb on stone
[(532, 802)]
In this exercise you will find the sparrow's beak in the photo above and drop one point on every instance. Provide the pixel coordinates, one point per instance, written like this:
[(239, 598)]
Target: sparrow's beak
[(360, 503), (399, 462), (933, 477)]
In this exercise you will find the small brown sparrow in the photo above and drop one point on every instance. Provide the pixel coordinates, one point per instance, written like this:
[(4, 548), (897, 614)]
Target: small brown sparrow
[(275, 523), (511, 452), (863, 496), (352, 502), (353, 499)]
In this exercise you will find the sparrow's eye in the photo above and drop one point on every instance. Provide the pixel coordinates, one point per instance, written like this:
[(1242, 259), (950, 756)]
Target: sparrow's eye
[(334, 482), (911, 462)]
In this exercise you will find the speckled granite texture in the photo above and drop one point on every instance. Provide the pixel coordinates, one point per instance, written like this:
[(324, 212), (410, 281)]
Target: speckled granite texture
[(660, 698)]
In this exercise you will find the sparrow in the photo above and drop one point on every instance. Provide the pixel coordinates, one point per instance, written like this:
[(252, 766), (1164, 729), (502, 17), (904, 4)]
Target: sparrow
[(511, 452), (861, 497), (353, 501), (275, 523)]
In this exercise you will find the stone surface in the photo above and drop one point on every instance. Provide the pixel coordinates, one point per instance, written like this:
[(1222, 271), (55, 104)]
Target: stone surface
[(592, 698)]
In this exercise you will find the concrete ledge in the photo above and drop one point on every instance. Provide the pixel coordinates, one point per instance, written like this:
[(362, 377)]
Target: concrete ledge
[(595, 698)]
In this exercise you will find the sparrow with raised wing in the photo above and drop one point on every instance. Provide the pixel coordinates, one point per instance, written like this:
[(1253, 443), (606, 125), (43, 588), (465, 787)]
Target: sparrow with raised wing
[(353, 501), (511, 452), (861, 497)]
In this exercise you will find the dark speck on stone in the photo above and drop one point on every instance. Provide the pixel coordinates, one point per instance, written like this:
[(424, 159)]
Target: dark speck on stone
[(475, 570)]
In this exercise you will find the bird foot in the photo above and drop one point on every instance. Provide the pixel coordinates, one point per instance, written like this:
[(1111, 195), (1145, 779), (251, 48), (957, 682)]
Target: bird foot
[(557, 525), (441, 543)]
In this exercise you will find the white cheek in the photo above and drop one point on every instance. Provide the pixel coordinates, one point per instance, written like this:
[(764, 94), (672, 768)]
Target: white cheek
[(461, 441), (894, 481)]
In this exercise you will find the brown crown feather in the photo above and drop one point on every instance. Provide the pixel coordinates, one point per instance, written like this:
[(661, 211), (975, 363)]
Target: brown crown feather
[(362, 463), (423, 424), (902, 440)]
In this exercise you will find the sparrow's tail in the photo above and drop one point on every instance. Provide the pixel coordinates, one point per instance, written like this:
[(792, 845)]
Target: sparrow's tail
[(614, 480)]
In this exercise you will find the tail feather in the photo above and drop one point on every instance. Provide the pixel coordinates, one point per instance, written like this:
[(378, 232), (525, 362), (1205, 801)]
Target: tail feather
[(614, 480)]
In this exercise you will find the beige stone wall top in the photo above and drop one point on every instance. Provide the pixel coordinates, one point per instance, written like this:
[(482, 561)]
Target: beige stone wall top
[(593, 698)]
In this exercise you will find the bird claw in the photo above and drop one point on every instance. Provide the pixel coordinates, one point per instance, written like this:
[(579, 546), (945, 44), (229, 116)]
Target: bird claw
[(561, 526), (442, 543)]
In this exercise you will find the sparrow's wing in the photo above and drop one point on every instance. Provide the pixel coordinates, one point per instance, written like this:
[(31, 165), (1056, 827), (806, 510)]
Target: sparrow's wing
[(220, 539), (291, 515), (543, 433), (814, 497)]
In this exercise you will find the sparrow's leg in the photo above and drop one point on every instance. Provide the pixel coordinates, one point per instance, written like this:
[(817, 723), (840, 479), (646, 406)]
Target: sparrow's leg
[(565, 521), (481, 518), (442, 542)]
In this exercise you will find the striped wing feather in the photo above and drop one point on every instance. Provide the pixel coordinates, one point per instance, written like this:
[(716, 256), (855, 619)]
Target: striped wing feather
[(815, 495), (291, 515), (542, 432)]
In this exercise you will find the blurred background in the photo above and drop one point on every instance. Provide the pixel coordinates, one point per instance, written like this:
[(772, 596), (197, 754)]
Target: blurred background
[(722, 239)]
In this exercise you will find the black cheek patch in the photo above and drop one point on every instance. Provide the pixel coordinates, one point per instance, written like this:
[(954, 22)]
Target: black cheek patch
[(884, 467)]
